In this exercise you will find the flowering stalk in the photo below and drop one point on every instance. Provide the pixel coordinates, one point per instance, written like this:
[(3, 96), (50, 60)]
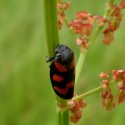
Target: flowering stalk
[(50, 13), (80, 65), (99, 27), (92, 40), (88, 93), (91, 91)]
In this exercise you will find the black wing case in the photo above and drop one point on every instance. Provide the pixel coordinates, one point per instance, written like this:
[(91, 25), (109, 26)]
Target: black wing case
[(65, 87)]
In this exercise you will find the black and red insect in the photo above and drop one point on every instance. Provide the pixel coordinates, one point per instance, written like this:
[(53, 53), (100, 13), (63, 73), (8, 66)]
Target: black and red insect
[(62, 72)]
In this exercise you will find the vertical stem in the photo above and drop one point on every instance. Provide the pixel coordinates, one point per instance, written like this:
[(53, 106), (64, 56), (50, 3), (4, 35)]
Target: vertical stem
[(59, 117), (51, 27), (52, 37), (65, 115), (80, 65), (111, 2)]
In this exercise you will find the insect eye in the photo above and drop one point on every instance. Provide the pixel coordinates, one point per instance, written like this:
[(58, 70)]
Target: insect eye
[(58, 55)]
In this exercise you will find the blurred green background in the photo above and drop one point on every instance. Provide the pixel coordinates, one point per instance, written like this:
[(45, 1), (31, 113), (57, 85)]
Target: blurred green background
[(26, 96)]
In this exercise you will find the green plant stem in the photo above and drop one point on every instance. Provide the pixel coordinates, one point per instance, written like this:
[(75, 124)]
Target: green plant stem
[(63, 115), (59, 117), (92, 91), (80, 65), (82, 56), (51, 26), (88, 93), (111, 1), (52, 38)]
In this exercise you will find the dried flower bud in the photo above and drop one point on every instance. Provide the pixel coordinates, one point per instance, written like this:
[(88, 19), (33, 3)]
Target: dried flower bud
[(83, 15), (63, 5), (61, 8), (76, 106), (118, 74), (82, 42), (122, 4), (107, 98), (105, 84), (108, 36), (108, 104), (115, 11), (115, 23), (104, 75), (121, 97), (77, 26)]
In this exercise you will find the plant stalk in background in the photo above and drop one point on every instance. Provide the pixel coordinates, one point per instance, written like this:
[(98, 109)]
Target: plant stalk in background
[(52, 38)]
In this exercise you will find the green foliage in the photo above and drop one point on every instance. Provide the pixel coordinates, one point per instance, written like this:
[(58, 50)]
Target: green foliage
[(26, 96)]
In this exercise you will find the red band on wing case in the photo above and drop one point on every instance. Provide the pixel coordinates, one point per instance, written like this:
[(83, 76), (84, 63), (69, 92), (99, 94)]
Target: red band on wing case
[(57, 78), (72, 63), (64, 91), (61, 91), (60, 67), (70, 84)]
